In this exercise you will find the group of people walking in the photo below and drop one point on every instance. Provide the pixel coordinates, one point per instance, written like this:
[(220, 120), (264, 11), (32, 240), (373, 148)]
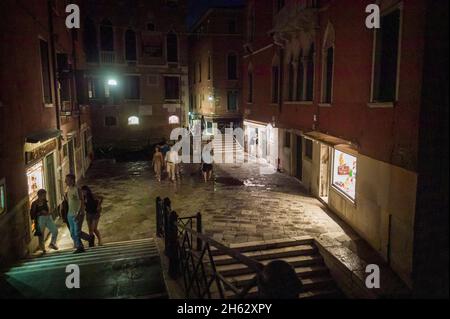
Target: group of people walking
[(166, 159), (78, 204)]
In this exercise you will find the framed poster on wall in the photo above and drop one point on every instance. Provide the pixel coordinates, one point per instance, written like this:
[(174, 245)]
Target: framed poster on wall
[(344, 173)]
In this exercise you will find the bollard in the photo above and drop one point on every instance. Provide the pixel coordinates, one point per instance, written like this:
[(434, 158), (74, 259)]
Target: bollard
[(199, 231)]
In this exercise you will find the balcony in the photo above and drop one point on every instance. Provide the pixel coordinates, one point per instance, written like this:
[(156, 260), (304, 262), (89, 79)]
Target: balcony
[(107, 57), (294, 18)]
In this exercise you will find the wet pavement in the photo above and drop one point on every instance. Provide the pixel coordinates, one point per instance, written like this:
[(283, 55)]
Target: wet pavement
[(242, 204)]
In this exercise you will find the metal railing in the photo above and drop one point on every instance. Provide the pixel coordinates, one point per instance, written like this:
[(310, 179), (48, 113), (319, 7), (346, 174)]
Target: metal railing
[(196, 264)]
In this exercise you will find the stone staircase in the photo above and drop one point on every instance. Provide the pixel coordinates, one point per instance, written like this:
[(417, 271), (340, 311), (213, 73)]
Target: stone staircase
[(130, 269), (302, 254), (226, 148)]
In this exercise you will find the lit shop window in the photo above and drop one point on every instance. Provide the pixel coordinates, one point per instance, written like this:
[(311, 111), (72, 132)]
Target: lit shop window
[(35, 177), (2, 196), (344, 173), (174, 119), (133, 120)]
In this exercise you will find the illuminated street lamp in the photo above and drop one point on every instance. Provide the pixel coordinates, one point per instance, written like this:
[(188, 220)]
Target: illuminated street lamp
[(112, 82)]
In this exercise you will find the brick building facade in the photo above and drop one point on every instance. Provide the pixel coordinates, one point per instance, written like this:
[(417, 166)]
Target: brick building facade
[(137, 62), (45, 132), (337, 105), (215, 51)]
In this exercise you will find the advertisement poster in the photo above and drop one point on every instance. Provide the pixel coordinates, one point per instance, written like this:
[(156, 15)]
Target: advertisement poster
[(35, 177), (344, 173)]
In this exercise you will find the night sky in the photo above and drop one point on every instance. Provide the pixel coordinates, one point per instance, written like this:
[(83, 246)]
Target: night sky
[(198, 7)]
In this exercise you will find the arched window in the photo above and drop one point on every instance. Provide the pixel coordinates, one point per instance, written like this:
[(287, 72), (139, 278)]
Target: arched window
[(275, 79), (250, 84), (106, 36), (130, 46), (172, 48), (232, 66), (327, 64), (300, 77), (251, 27), (310, 74), (90, 41), (151, 26), (133, 120), (174, 119), (291, 72)]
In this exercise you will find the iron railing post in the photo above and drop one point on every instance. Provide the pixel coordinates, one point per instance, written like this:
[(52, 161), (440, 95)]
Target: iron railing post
[(158, 216), (172, 248), (199, 230), (166, 210)]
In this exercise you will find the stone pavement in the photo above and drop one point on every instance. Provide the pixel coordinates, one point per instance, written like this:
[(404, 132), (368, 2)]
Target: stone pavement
[(242, 204)]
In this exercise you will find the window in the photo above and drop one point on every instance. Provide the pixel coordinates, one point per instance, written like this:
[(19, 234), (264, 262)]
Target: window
[(90, 41), (328, 75), (291, 80), (344, 173), (200, 72), (172, 88), (280, 4), (232, 26), (251, 25), (328, 64), (209, 67), (132, 87), (232, 104), (64, 79), (232, 66), (250, 87), (45, 69), (151, 27), (300, 77), (386, 58), (287, 139), (133, 120), (310, 75), (2, 196), (96, 88), (172, 48), (275, 84), (110, 121), (106, 36), (130, 46), (308, 149), (174, 119)]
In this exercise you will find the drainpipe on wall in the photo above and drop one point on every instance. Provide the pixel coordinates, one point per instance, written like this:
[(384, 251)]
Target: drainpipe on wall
[(53, 62)]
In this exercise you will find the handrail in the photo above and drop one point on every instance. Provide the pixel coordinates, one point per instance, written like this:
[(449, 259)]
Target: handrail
[(253, 264)]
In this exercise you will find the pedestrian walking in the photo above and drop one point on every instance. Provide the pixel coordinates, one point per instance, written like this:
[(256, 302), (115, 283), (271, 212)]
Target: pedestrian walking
[(75, 206), (158, 163), (207, 169), (93, 206), (40, 213), (171, 161)]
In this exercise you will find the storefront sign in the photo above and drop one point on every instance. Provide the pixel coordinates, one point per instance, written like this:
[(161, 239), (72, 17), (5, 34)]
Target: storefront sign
[(344, 173), (40, 152), (35, 178)]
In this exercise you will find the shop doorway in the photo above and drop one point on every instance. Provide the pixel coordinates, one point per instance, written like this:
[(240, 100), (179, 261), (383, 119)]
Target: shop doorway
[(324, 180), (51, 184), (299, 158)]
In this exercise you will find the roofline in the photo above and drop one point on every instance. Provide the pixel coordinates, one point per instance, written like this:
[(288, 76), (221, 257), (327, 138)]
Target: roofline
[(208, 11)]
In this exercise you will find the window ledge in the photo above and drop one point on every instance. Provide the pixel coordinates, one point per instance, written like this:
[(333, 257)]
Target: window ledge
[(380, 105), (325, 104), (48, 105)]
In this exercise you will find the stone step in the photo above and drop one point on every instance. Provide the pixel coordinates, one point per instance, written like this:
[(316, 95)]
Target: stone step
[(272, 253), (317, 287), (302, 272), (267, 244), (241, 269)]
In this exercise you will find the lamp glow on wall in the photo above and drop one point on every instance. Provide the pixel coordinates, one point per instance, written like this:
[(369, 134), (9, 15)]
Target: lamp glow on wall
[(133, 120)]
